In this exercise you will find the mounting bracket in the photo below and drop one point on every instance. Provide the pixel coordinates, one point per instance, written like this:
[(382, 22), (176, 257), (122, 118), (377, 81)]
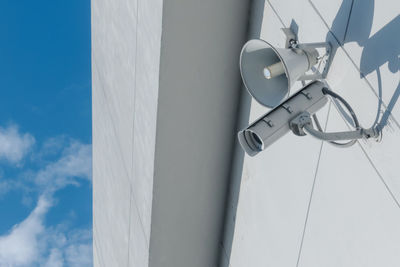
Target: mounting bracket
[(302, 125), (292, 42)]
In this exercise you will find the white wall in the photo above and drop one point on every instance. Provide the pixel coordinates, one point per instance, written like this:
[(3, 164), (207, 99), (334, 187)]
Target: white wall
[(166, 87), (126, 39), (197, 110), (354, 215)]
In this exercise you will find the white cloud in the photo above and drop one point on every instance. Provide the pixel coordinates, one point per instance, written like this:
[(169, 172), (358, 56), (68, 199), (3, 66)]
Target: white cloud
[(30, 242), (79, 255), (79, 252), (5, 186), (50, 148), (14, 145), (53, 145), (76, 162), (55, 259), (20, 247)]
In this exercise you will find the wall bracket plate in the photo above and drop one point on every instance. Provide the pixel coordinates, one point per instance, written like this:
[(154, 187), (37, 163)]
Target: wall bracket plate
[(291, 37), (324, 61)]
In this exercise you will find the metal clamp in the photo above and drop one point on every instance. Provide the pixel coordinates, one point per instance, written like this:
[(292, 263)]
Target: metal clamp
[(306, 94), (291, 38), (288, 108), (298, 123), (268, 121)]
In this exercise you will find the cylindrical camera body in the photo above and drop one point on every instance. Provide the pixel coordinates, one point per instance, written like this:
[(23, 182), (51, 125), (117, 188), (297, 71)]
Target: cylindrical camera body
[(273, 125)]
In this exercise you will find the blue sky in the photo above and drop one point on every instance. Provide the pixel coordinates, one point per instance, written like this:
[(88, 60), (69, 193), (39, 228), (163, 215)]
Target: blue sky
[(45, 133)]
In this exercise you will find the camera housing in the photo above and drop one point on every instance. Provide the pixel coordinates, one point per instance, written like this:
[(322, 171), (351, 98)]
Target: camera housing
[(276, 123)]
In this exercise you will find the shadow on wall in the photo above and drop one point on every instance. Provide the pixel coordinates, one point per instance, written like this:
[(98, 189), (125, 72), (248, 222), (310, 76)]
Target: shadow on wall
[(353, 23), (254, 30), (381, 48)]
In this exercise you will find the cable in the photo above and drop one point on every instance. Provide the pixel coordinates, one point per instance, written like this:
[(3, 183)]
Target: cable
[(338, 144), (326, 91)]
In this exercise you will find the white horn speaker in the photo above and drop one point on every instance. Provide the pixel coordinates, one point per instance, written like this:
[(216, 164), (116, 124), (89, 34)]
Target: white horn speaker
[(268, 72)]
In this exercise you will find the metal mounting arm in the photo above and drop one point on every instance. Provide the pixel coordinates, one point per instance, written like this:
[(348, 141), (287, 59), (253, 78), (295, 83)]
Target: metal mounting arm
[(292, 42), (302, 125)]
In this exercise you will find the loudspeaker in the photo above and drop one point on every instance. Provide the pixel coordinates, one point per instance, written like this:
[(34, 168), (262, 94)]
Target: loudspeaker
[(268, 72)]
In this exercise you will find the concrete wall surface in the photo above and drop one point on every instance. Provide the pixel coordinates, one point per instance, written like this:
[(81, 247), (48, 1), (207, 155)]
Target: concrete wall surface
[(171, 188), (197, 109), (126, 40), (307, 203), (166, 86)]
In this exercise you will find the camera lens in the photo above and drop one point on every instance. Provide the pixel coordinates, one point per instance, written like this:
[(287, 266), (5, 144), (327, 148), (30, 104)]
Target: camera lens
[(257, 141)]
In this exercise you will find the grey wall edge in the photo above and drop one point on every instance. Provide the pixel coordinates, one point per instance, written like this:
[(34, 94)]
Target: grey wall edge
[(199, 91), (254, 31)]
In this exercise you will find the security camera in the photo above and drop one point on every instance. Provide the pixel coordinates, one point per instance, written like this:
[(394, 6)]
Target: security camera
[(269, 73), (295, 114), (275, 124)]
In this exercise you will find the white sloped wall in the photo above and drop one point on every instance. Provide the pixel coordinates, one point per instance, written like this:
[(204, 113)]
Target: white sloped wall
[(126, 41), (354, 214)]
